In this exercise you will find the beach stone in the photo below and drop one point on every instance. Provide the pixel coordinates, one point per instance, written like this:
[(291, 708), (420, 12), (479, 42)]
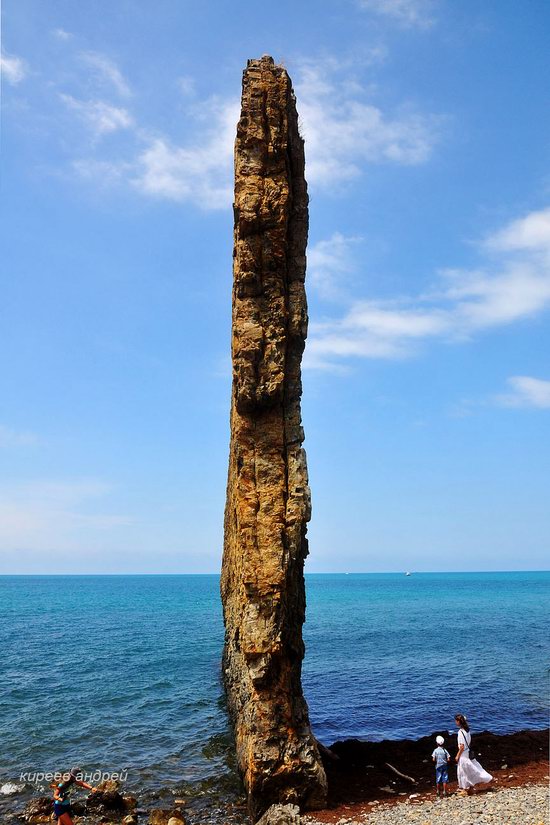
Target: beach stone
[(159, 817), (78, 807), (38, 810), (281, 815), (106, 797), (166, 816), (108, 786), (268, 498), (130, 803)]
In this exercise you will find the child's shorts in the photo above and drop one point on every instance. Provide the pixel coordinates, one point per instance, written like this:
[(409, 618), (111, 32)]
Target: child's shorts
[(442, 774)]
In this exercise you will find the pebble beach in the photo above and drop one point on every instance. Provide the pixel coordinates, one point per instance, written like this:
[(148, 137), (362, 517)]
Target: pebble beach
[(527, 805)]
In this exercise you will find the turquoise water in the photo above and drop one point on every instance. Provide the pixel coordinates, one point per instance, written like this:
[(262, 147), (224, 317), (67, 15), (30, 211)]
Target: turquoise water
[(122, 672)]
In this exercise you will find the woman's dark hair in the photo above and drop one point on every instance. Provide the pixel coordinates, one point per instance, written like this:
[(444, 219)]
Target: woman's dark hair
[(74, 773), (63, 786), (462, 721)]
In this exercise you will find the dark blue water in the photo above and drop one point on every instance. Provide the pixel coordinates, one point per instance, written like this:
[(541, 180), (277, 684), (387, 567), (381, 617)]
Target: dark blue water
[(122, 672)]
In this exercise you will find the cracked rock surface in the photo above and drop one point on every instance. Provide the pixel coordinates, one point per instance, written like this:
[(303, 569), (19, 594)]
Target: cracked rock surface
[(268, 498)]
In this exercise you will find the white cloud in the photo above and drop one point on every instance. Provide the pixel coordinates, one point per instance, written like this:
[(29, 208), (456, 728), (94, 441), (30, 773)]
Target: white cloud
[(408, 13), (373, 329), (329, 264), (512, 286), (45, 515), (100, 116), (200, 172), (106, 71), (186, 85), (526, 392), (61, 34), (531, 233), (343, 131), (13, 69), (16, 438), (106, 172)]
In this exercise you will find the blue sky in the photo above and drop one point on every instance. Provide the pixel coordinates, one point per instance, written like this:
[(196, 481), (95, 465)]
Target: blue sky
[(426, 376)]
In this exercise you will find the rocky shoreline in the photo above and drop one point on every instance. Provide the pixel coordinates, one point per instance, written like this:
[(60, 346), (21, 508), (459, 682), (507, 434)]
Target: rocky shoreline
[(378, 783)]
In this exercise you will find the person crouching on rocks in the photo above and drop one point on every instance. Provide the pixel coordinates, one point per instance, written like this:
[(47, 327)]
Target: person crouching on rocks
[(62, 792), (441, 757), (469, 772)]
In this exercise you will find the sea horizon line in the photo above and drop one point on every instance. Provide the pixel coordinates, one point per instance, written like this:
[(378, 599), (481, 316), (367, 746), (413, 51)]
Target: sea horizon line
[(306, 574)]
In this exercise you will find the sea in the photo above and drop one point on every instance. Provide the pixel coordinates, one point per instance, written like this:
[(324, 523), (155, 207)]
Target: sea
[(122, 673)]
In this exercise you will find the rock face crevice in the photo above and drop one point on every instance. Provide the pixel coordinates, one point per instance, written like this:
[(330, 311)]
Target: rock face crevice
[(268, 497)]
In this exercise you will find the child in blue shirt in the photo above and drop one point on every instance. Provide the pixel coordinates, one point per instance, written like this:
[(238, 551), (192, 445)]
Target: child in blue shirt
[(441, 757)]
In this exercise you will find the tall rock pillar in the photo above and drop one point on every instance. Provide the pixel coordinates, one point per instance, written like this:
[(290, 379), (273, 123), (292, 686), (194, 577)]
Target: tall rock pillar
[(268, 498)]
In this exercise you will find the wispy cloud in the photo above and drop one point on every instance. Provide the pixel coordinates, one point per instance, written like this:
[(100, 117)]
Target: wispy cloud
[(13, 69), (513, 284), (407, 13), (100, 116), (106, 72), (186, 85), (198, 172), (344, 131), (526, 391), (329, 264), (343, 134), (42, 515), (531, 234), (101, 172), (61, 34), (17, 438)]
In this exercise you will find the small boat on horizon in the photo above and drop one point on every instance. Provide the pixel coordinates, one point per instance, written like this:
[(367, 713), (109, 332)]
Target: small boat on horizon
[(408, 574)]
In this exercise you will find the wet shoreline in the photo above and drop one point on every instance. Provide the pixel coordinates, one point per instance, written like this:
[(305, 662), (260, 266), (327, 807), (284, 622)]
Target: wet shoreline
[(362, 775)]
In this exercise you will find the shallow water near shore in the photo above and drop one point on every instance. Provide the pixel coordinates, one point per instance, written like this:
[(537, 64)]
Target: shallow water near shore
[(123, 672)]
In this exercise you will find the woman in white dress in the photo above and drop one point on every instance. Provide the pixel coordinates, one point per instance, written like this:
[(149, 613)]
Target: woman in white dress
[(469, 771)]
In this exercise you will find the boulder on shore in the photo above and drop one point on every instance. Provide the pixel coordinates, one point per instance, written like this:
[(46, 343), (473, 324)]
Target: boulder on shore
[(281, 815), (38, 810), (166, 816), (107, 797)]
